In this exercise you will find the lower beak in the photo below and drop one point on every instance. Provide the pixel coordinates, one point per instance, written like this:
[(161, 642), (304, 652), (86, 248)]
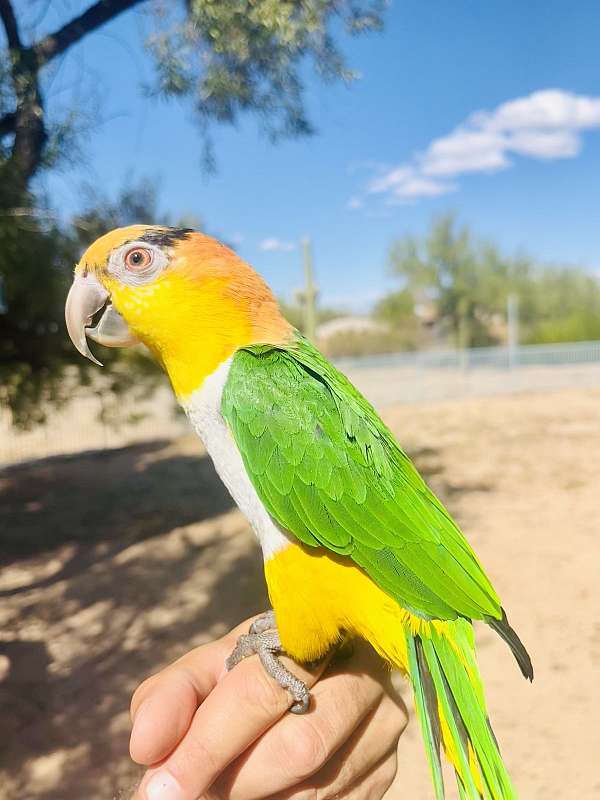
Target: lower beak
[(86, 297)]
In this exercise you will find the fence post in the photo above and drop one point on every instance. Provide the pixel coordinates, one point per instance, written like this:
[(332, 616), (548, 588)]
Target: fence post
[(512, 320), (310, 292)]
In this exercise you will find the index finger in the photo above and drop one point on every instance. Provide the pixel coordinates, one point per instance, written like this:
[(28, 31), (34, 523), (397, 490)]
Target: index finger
[(163, 706), (242, 706)]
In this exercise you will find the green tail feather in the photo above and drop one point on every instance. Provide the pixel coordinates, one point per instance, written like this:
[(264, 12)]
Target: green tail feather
[(444, 686), (428, 716)]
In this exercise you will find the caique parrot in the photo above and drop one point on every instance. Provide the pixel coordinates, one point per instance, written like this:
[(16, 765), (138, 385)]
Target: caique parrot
[(354, 542)]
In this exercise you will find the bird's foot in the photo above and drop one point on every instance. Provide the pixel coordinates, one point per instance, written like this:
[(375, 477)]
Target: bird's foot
[(266, 622), (263, 640)]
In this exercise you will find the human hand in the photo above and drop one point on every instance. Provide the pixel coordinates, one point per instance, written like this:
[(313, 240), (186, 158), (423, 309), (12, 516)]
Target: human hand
[(208, 733)]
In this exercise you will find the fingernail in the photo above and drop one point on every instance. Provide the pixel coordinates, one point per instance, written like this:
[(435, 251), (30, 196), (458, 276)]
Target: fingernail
[(163, 786)]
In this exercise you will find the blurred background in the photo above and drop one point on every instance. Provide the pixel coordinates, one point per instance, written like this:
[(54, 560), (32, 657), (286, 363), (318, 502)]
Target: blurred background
[(418, 182)]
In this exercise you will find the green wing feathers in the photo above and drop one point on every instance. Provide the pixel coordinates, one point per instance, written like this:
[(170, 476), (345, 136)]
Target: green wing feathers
[(329, 471)]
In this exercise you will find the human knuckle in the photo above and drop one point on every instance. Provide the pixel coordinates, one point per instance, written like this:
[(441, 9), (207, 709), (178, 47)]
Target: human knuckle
[(183, 678), (197, 752), (396, 717), (358, 692), (304, 749), (220, 648), (259, 691), (401, 721), (383, 778)]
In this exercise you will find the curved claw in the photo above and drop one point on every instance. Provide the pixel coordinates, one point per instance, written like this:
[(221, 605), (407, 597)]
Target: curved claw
[(267, 646), (301, 704)]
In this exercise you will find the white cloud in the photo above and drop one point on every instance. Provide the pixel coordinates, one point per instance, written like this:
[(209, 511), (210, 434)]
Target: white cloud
[(545, 125), (418, 186), (549, 109), (406, 183), (545, 144), (272, 245), (390, 180), (463, 151)]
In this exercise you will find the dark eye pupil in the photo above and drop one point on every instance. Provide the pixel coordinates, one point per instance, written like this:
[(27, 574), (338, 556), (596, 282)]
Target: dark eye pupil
[(136, 258)]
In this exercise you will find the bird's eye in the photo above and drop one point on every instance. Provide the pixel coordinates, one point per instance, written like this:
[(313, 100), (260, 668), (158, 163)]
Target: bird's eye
[(138, 259)]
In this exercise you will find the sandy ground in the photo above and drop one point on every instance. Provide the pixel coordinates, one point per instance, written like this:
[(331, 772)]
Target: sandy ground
[(114, 563)]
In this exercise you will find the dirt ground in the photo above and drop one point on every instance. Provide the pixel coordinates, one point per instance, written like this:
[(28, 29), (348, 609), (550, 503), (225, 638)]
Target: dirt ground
[(115, 563)]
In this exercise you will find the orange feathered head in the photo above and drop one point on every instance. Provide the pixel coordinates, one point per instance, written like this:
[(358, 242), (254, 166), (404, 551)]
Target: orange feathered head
[(190, 299)]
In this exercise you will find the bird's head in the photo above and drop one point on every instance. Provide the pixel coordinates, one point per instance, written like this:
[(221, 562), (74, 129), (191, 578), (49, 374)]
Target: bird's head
[(192, 301)]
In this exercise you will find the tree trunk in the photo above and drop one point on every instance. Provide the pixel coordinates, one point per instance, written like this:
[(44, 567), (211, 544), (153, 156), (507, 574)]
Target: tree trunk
[(26, 123)]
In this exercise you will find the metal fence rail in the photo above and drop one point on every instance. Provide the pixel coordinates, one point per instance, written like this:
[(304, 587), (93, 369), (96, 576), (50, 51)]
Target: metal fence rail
[(386, 380), (480, 372), (477, 357)]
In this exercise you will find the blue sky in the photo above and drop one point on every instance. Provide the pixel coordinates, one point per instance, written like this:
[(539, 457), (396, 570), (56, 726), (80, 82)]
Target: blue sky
[(491, 109)]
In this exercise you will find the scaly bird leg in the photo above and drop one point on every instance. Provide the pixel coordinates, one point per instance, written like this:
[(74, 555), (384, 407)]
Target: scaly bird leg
[(263, 640), (266, 622)]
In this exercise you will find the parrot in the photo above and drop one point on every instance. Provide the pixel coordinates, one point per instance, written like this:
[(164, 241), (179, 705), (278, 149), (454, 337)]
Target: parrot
[(354, 543)]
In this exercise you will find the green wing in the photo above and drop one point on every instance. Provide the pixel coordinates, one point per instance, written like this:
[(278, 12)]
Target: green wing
[(329, 471)]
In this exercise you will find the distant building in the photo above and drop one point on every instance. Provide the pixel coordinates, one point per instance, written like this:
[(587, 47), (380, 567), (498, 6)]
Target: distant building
[(349, 325)]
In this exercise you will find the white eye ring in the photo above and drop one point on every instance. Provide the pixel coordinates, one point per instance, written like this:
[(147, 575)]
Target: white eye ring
[(137, 274)]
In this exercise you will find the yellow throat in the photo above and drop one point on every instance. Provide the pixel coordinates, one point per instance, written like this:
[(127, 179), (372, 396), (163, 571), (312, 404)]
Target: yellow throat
[(204, 306)]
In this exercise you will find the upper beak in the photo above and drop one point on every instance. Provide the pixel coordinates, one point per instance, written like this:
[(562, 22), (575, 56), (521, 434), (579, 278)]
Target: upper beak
[(86, 297)]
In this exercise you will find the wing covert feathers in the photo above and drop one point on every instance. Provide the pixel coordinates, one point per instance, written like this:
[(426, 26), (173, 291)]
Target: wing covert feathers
[(330, 472)]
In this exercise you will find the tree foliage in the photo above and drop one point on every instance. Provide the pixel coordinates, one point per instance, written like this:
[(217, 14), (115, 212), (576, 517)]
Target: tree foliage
[(39, 367), (463, 277), (396, 309), (468, 280), (561, 304), (244, 55), (227, 57)]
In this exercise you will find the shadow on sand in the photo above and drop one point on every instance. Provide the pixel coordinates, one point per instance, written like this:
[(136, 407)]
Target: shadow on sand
[(114, 563)]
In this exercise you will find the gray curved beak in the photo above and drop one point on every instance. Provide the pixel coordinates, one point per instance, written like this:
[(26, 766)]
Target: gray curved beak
[(86, 297)]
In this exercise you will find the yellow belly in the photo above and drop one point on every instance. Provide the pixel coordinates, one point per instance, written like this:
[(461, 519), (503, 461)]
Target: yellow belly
[(317, 596)]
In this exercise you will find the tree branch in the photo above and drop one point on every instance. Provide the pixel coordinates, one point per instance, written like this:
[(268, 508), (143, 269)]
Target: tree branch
[(7, 123), (7, 15), (27, 121), (94, 17)]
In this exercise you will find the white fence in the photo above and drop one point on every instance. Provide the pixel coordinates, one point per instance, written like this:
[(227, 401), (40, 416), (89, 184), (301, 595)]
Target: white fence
[(432, 376), (81, 426), (542, 355), (386, 380)]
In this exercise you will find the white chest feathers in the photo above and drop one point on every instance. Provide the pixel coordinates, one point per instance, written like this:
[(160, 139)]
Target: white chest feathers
[(203, 408)]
